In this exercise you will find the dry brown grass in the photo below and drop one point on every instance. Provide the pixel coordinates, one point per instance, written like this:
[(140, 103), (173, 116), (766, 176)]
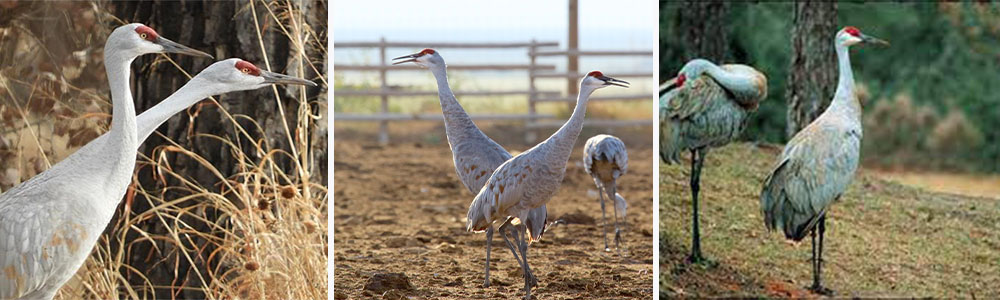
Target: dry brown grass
[(266, 227)]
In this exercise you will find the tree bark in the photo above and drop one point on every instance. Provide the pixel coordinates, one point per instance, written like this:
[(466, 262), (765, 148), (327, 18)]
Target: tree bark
[(701, 25), (812, 76)]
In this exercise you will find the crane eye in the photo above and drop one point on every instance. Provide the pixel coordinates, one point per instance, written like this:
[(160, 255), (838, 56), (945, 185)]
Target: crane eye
[(245, 70), (142, 36)]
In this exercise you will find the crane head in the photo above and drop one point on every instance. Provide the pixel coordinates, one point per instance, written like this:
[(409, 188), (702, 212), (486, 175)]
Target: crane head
[(596, 80), (691, 71), (850, 35), (235, 74), (425, 58), (137, 39)]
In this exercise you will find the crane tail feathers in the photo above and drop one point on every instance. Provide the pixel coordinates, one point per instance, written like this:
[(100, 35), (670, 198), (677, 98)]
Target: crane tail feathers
[(478, 218)]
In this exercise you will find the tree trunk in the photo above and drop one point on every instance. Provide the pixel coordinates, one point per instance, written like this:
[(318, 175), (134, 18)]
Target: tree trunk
[(812, 77), (701, 25), (225, 29)]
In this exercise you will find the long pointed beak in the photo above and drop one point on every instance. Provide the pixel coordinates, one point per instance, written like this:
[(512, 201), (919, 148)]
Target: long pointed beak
[(612, 81), (409, 58), (873, 40), (670, 87), (173, 47), (278, 78)]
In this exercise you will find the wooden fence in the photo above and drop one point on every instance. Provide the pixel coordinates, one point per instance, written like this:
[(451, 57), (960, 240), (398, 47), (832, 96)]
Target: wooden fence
[(534, 95)]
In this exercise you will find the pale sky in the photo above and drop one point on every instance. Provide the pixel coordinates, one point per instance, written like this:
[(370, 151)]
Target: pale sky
[(510, 19)]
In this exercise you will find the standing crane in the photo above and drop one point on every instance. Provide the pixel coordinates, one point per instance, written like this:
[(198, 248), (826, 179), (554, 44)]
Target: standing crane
[(605, 159), (474, 154), (49, 224), (530, 179), (706, 106), (818, 163)]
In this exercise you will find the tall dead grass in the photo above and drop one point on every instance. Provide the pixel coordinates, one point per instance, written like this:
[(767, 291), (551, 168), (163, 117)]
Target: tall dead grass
[(259, 234)]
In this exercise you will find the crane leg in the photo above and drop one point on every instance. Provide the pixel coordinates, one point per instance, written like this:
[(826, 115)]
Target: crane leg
[(697, 159), (817, 286), (614, 207), (604, 218), (489, 245), (506, 229), (529, 277)]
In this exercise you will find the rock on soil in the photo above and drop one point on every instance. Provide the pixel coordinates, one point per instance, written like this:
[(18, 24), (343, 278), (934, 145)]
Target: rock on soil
[(381, 282)]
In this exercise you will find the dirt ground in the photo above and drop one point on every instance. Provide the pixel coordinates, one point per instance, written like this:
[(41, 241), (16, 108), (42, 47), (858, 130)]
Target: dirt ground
[(401, 209)]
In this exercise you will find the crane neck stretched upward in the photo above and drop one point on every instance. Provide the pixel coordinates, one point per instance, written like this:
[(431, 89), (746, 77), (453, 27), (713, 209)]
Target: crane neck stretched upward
[(844, 98), (454, 115), (562, 140), (189, 94), (123, 110)]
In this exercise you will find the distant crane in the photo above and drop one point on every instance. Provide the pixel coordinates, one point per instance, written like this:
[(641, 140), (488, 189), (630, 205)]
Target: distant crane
[(49, 224), (530, 179), (818, 163), (605, 159), (704, 107), (475, 155)]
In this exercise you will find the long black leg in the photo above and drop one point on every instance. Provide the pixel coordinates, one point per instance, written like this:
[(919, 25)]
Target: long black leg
[(815, 261), (697, 158), (818, 258)]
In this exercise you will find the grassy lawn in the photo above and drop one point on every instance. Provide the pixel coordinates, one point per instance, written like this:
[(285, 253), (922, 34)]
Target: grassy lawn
[(883, 239)]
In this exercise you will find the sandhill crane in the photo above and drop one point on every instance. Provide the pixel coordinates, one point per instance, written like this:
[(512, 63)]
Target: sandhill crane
[(818, 163), (706, 106), (530, 179), (605, 159), (221, 77), (49, 223), (475, 155)]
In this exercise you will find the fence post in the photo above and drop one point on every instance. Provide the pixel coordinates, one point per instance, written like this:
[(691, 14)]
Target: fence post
[(530, 135), (383, 127), (572, 58)]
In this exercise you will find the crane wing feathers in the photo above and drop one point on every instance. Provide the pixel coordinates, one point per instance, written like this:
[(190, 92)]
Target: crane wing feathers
[(25, 263), (504, 189), (610, 148), (813, 171), (699, 115), (475, 162)]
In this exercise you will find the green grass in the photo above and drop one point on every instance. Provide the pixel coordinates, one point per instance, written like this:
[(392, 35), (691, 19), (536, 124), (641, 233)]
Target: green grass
[(883, 239)]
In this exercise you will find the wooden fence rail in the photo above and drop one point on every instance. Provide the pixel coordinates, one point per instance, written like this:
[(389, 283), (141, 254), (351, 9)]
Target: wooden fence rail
[(533, 120)]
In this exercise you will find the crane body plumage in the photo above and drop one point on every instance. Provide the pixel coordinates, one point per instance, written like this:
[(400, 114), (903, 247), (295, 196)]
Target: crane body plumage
[(49, 223), (709, 113), (605, 158), (474, 154), (818, 163), (704, 107), (530, 179)]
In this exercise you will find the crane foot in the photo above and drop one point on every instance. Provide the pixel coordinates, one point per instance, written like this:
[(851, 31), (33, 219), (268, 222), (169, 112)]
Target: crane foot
[(820, 290), (697, 259)]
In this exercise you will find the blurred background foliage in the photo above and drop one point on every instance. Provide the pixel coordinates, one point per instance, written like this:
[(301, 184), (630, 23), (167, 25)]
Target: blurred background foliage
[(932, 99)]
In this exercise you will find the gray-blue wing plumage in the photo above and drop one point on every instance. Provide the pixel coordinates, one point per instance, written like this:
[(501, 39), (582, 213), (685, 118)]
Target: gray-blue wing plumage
[(815, 168), (606, 148), (704, 113)]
